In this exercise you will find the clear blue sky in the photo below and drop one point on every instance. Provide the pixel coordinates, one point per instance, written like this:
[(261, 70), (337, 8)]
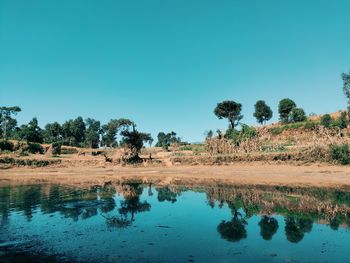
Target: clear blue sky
[(165, 64)]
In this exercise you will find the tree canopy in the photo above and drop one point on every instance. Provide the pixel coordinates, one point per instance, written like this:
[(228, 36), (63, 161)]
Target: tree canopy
[(230, 110), (262, 112), (285, 107)]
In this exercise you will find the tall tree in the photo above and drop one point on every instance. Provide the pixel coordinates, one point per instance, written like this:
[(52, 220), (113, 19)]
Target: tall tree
[(230, 110), (346, 89), (134, 140), (285, 107), (110, 131), (92, 134), (7, 123), (52, 132), (31, 132), (166, 139), (262, 112), (73, 132)]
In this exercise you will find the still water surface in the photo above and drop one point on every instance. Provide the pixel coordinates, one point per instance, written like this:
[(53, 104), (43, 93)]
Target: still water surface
[(132, 222)]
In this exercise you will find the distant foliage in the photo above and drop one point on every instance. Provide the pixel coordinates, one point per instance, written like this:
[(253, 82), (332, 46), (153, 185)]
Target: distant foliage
[(346, 88), (167, 139), (230, 110), (262, 112), (7, 123), (297, 115), (53, 132), (92, 134), (285, 107), (31, 132), (73, 132)]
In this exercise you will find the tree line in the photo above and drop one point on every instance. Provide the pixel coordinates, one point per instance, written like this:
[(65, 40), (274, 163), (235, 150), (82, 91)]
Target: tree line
[(287, 110)]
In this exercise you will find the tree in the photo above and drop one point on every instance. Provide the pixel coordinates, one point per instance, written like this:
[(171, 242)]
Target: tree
[(92, 134), (7, 123), (134, 140), (326, 120), (262, 112), (285, 107), (52, 132), (31, 132), (297, 115), (110, 131), (167, 139), (73, 132), (346, 89), (268, 227), (230, 110)]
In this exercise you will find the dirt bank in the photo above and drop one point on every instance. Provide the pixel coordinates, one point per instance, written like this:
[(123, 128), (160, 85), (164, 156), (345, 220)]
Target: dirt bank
[(241, 173)]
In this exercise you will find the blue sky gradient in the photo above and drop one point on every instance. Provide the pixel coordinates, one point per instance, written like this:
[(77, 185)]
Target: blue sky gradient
[(165, 64)]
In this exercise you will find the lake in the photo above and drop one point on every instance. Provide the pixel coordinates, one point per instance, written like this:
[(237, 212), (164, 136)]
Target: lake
[(134, 222)]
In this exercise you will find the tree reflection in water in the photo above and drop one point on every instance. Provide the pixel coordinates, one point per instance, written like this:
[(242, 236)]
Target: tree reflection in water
[(268, 227), (129, 206), (296, 228), (233, 230)]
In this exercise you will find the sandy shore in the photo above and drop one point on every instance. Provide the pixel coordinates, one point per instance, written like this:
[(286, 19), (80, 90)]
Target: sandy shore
[(243, 174)]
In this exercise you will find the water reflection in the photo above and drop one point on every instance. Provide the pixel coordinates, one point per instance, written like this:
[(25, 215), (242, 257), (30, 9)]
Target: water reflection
[(129, 206), (292, 212), (233, 230), (268, 227)]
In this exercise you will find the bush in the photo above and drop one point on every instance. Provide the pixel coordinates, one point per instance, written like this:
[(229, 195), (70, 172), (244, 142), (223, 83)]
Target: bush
[(311, 125), (34, 148), (326, 120), (340, 153), (341, 122), (276, 130), (56, 148), (297, 115), (245, 133), (6, 146)]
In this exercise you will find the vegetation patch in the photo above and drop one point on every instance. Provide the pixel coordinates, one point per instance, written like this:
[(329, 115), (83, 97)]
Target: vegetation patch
[(340, 153), (28, 162)]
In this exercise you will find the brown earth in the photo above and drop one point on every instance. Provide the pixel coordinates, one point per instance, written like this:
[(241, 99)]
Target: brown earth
[(256, 173)]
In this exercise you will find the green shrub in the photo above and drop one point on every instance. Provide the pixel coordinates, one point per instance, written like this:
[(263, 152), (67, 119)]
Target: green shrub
[(340, 153), (341, 122), (245, 133), (186, 148), (297, 115), (34, 148), (6, 146), (326, 120), (311, 125), (276, 130)]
